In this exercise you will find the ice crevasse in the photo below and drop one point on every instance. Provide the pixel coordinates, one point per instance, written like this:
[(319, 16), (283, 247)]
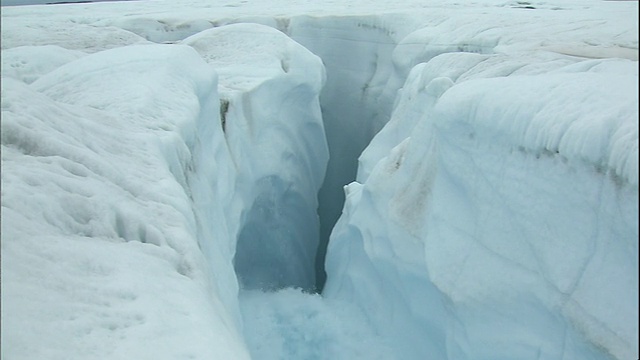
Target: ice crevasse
[(502, 214), (492, 216), (136, 164)]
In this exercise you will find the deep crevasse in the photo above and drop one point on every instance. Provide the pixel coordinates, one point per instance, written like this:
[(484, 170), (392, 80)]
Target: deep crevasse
[(269, 86), (189, 154), (440, 238)]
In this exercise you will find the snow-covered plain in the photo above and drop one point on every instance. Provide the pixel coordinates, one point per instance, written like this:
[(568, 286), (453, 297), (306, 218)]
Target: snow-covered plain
[(157, 157)]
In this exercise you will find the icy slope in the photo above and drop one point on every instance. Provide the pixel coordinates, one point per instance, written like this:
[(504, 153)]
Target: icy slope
[(495, 210)]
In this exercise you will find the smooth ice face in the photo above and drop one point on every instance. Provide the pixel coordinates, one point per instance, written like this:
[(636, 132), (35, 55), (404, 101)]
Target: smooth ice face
[(275, 245)]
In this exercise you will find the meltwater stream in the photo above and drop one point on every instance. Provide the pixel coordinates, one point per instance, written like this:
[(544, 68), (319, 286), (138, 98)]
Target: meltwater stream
[(293, 324)]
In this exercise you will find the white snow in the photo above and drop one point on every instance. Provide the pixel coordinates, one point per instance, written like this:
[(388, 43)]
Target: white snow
[(99, 235), (161, 164), (28, 63)]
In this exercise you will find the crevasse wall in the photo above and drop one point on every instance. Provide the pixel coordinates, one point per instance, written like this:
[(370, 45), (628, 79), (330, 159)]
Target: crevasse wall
[(270, 86), (357, 55), (496, 213)]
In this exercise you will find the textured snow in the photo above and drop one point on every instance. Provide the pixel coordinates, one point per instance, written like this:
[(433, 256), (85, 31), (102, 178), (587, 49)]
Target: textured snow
[(99, 236), (158, 157), (28, 63)]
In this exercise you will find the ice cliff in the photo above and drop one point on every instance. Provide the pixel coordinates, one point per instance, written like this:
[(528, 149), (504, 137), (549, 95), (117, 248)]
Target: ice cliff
[(499, 210)]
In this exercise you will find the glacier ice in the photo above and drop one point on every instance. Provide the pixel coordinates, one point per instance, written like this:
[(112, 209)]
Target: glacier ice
[(157, 158), (274, 131), (99, 235), (504, 202)]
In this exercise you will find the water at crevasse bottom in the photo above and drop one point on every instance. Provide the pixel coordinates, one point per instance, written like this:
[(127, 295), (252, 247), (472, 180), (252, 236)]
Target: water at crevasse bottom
[(284, 318), (293, 324)]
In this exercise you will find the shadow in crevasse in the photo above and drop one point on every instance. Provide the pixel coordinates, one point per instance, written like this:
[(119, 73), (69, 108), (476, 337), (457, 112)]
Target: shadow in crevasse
[(278, 239)]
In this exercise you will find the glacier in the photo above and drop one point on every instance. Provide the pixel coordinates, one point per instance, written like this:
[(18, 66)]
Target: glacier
[(320, 180)]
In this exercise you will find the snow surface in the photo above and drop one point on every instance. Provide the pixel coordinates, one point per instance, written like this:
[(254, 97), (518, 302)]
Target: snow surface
[(158, 156)]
